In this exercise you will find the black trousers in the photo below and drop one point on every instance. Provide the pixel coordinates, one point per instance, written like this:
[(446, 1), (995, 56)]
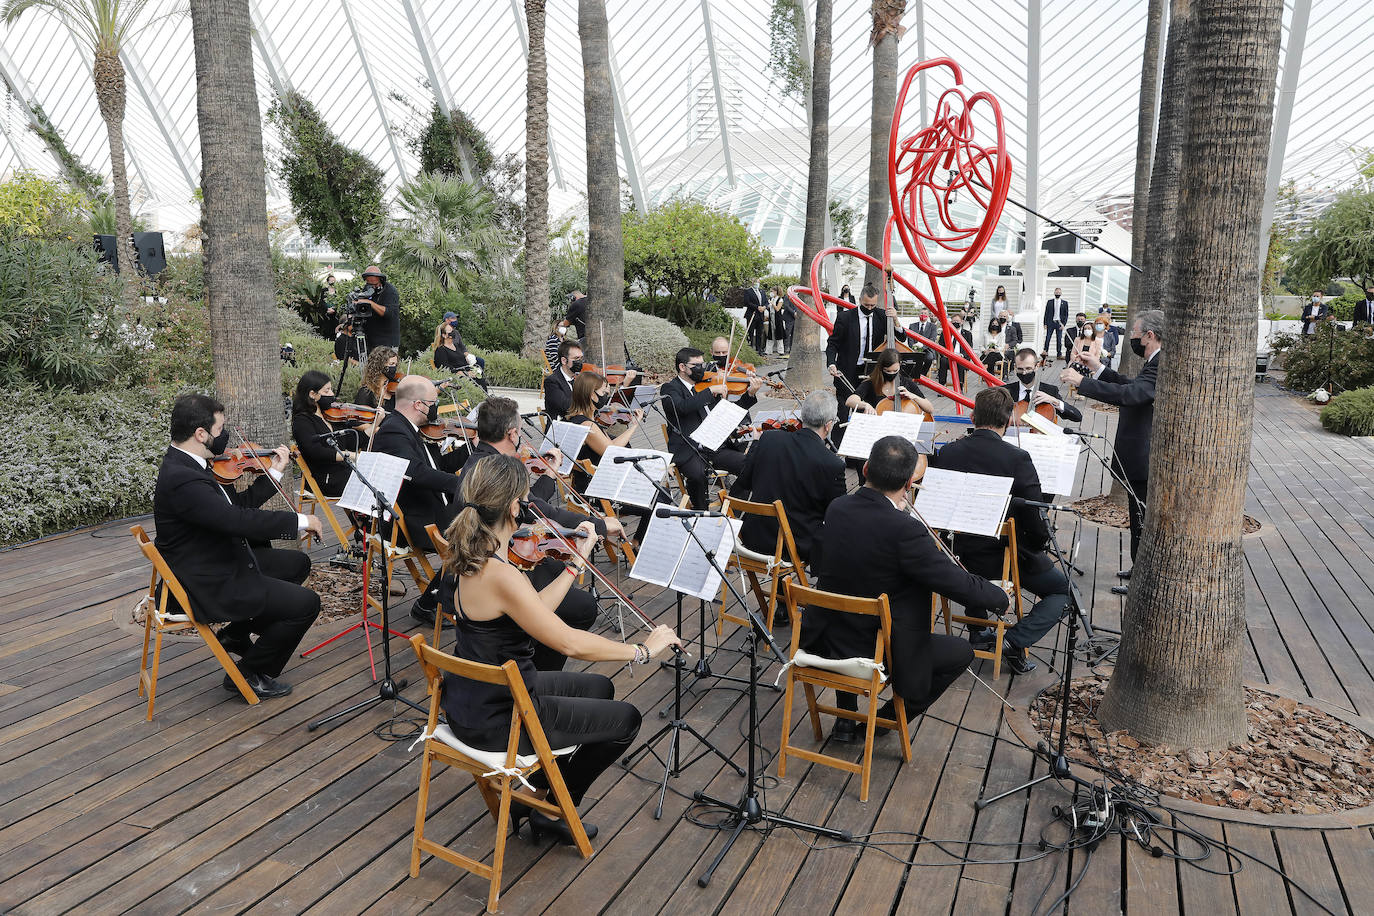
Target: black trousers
[(920, 685), (1052, 590), (577, 609), (944, 373), (693, 471), (289, 612), (1055, 332), (1137, 514)]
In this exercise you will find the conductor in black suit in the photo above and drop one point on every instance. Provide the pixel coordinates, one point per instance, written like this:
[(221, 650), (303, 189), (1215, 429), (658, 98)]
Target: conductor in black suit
[(797, 468), (1028, 388), (1056, 318), (871, 546), (685, 408), (856, 334), (558, 383), (214, 540), (983, 451), (1136, 398)]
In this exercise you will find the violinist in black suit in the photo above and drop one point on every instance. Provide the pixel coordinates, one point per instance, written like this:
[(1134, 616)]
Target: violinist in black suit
[(558, 383), (1136, 398), (856, 334), (1034, 393), (1056, 319), (209, 536), (983, 451), (870, 546), (685, 408)]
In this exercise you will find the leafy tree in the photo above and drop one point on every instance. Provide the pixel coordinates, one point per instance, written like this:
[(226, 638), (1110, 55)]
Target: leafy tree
[(83, 177), (38, 207), (685, 247), (786, 40), (336, 191), (453, 145), (1338, 243)]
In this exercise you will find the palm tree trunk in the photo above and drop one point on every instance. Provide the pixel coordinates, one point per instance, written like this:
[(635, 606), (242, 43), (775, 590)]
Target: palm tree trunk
[(887, 18), (807, 362), (108, 73), (536, 185), (1178, 680), (605, 246), (1144, 161), (238, 266)]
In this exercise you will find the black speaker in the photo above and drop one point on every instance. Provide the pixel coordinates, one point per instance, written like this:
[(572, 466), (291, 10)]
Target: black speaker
[(148, 250)]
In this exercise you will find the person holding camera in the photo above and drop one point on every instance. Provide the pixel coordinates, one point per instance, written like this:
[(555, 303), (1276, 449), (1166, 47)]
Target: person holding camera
[(383, 325)]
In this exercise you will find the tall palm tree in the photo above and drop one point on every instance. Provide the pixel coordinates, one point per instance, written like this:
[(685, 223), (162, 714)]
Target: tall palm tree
[(243, 328), (1178, 678), (807, 362), (887, 29), (605, 245), (1144, 162), (445, 231), (536, 185), (104, 25)]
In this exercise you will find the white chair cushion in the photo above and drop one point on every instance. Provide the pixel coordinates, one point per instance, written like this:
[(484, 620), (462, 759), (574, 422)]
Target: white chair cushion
[(765, 558), (850, 667), (147, 605), (494, 759)]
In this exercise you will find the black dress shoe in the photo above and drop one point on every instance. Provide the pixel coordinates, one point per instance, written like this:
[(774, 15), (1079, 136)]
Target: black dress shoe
[(982, 639), (265, 687), (1120, 590), (1018, 660), (846, 731), (541, 823), (781, 618), (1123, 574)]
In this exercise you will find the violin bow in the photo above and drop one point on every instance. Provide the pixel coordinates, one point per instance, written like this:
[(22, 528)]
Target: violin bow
[(267, 470)]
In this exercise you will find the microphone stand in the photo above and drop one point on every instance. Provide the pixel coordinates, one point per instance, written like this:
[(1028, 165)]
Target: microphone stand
[(388, 688)]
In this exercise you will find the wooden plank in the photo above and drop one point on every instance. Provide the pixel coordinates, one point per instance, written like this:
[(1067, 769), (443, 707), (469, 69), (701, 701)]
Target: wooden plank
[(1307, 861), (1201, 891)]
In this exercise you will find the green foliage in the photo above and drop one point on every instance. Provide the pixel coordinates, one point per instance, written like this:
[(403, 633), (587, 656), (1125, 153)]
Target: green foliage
[(101, 219), (653, 341), (1339, 243), (684, 248), (57, 315), (87, 180), (567, 272), (507, 369), (39, 207), (444, 141), (786, 48), (1349, 355), (335, 191), (701, 340), (311, 350), (1350, 413), (783, 280), (167, 344), (184, 276), (84, 430), (445, 234)]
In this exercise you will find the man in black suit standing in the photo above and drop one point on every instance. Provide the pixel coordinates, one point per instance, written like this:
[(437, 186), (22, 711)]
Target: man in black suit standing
[(214, 540), (1034, 393), (1136, 398), (757, 315), (797, 468), (856, 334), (577, 313), (872, 546), (684, 408), (558, 383), (1364, 309), (984, 451), (1056, 318)]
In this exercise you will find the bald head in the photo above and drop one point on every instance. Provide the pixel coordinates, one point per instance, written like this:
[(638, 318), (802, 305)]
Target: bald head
[(414, 394)]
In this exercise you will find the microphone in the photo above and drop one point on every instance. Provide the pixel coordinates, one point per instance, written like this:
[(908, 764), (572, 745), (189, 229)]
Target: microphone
[(532, 414), (775, 372), (670, 512), (633, 459), (331, 434), (1082, 434), (1018, 501)]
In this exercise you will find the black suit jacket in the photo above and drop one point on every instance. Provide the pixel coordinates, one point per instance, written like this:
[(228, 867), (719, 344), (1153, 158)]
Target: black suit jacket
[(577, 316), (685, 409), (1364, 311), (1067, 412), (1136, 398), (384, 330), (204, 537), (557, 394), (842, 349), (430, 494), (982, 451), (798, 469), (1051, 318), (869, 548)]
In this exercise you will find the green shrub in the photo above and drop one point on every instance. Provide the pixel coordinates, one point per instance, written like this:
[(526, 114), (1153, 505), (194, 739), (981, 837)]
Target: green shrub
[(77, 459), (38, 207), (311, 351), (509, 370), (1350, 413), (1349, 355), (653, 341), (702, 341), (168, 344)]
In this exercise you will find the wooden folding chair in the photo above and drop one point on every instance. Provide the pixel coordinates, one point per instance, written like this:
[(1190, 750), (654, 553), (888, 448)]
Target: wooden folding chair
[(1009, 583), (863, 676), (495, 772), (441, 548), (157, 618), (397, 549), (782, 563), (312, 498)]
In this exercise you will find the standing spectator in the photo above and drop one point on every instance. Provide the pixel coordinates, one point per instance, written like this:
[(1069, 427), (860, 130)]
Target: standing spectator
[(1056, 320), (577, 313), (756, 316), (1316, 310), (846, 294), (1364, 309)]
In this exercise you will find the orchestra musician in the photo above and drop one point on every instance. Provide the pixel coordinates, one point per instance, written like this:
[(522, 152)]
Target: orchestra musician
[(381, 367), (315, 393), (501, 618), (857, 333), (215, 539), (870, 546), (879, 383), (983, 451), (591, 392), (558, 383), (1027, 388), (685, 409)]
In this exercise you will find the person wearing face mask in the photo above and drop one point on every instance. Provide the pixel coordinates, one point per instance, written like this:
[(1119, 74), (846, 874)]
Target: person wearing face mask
[(1056, 318), (213, 538), (1072, 333), (928, 328), (315, 394), (1136, 398), (685, 408), (556, 336), (558, 383), (1364, 309), (879, 385), (857, 333), (381, 368), (1027, 387), (1109, 335), (956, 319), (383, 326), (1315, 311), (590, 393), (452, 354)]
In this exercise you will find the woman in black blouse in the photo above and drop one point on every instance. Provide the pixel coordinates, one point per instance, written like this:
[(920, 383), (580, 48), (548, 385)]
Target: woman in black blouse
[(452, 355), (590, 391), (315, 393), (380, 369), (878, 385)]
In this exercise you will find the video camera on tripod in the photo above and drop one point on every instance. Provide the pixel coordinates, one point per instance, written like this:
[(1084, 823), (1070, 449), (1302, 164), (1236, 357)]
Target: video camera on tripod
[(357, 306)]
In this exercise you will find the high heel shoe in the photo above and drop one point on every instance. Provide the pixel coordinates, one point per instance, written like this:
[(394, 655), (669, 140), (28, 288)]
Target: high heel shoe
[(542, 823), (519, 812)]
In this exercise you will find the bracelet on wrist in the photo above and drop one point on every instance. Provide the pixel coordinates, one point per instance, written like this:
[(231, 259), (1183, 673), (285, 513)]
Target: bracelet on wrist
[(642, 655)]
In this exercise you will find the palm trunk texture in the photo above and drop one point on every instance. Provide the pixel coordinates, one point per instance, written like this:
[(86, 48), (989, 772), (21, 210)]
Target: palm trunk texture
[(887, 17), (605, 247), (536, 186), (108, 73), (807, 362), (1144, 160)]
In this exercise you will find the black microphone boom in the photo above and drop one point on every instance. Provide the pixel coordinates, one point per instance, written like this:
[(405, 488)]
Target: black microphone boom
[(1018, 501), (670, 512), (632, 459), (1081, 433), (776, 372)]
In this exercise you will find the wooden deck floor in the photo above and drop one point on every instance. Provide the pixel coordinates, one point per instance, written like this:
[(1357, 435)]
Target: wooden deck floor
[(220, 807)]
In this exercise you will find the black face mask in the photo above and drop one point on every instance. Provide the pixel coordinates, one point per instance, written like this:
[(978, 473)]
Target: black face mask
[(892, 374), (327, 401), (575, 366), (1079, 323), (697, 373), (956, 325), (602, 400), (720, 360), (433, 414), (1137, 346), (526, 515), (1027, 378), (389, 372), (218, 444)]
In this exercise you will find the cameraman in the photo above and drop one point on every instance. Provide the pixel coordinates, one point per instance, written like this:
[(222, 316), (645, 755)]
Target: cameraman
[(383, 326)]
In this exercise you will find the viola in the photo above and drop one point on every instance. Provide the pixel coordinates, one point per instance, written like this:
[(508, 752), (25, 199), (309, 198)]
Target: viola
[(392, 383), (233, 464), (536, 543), (458, 428), (790, 425), (616, 413), (537, 464), (344, 413), (1045, 410)]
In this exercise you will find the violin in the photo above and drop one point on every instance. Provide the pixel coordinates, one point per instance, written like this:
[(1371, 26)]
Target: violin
[(758, 429), (538, 465), (612, 414), (458, 428), (393, 382), (613, 374), (1045, 410), (343, 413), (536, 543), (233, 464)]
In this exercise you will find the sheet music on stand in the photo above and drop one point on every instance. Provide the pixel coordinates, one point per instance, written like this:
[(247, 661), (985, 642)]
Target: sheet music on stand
[(622, 483), (1040, 424), (671, 558), (637, 395), (956, 501), (723, 420), (386, 473), (1055, 459), (866, 428), (568, 439)]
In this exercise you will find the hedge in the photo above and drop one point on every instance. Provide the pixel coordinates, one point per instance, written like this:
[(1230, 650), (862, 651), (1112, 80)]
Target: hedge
[(1351, 413)]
